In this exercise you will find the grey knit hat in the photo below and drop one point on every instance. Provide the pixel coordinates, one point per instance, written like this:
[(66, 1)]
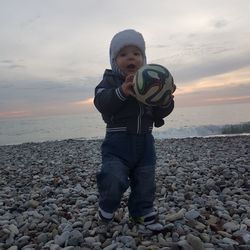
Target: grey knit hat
[(122, 39)]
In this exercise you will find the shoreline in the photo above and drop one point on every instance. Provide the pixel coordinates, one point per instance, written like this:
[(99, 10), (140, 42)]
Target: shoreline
[(101, 138), (48, 196)]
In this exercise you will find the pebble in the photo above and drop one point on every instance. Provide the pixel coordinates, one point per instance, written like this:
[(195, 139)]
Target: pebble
[(192, 214), (195, 242), (176, 216), (49, 198), (230, 226)]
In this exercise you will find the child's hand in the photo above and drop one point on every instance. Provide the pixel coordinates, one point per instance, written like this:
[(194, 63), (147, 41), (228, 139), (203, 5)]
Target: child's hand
[(128, 86)]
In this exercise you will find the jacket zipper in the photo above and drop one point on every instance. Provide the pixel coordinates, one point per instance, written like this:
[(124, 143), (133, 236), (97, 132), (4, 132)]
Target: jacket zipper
[(139, 118)]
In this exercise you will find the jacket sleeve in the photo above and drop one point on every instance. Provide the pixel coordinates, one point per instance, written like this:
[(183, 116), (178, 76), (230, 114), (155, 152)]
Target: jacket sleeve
[(161, 112), (109, 100)]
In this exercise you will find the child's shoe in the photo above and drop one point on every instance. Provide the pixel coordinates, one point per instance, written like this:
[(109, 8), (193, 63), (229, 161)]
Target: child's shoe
[(104, 216), (150, 221), (104, 222)]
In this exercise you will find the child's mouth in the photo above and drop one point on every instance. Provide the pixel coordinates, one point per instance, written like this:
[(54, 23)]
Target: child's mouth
[(131, 66)]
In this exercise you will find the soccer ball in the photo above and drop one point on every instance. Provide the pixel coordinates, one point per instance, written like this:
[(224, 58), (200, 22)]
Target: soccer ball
[(153, 85)]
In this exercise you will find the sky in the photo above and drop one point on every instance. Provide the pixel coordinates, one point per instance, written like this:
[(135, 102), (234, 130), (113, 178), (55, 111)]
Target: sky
[(54, 52)]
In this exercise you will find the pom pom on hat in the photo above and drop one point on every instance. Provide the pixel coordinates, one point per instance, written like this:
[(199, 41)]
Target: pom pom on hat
[(122, 39)]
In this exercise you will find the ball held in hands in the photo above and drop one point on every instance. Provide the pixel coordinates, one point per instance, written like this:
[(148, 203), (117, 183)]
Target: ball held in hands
[(153, 85)]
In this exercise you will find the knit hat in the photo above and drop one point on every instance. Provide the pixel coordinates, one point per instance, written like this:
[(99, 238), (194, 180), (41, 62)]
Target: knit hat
[(122, 39)]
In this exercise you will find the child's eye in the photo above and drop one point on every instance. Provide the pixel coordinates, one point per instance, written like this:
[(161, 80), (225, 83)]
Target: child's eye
[(123, 54), (136, 53)]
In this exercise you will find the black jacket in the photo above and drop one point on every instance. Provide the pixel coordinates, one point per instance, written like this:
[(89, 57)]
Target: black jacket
[(122, 113)]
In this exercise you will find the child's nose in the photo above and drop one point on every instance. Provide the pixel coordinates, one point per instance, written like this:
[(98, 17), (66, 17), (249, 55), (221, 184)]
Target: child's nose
[(131, 56)]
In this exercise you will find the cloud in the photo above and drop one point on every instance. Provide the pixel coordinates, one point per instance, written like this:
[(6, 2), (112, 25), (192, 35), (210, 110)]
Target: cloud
[(220, 23), (10, 64), (186, 69), (232, 87), (53, 53), (40, 94), (29, 21), (225, 81), (231, 95)]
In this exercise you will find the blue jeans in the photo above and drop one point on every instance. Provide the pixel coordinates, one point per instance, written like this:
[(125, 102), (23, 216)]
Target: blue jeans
[(127, 160)]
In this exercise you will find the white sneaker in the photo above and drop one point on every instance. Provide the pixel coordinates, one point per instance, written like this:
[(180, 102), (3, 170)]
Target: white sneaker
[(150, 222), (105, 216)]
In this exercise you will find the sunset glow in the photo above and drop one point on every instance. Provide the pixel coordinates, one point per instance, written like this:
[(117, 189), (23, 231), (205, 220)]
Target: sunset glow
[(15, 114), (88, 101), (228, 80)]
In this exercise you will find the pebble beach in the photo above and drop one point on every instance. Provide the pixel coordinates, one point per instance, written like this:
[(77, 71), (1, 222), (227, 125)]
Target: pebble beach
[(48, 197)]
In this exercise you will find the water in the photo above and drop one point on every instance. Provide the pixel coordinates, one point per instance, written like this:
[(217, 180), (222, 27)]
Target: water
[(203, 120), (183, 122)]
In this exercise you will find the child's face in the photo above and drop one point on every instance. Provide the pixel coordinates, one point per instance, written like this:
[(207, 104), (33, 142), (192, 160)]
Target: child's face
[(129, 60)]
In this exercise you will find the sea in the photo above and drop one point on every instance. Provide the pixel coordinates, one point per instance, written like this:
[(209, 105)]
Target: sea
[(185, 122)]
